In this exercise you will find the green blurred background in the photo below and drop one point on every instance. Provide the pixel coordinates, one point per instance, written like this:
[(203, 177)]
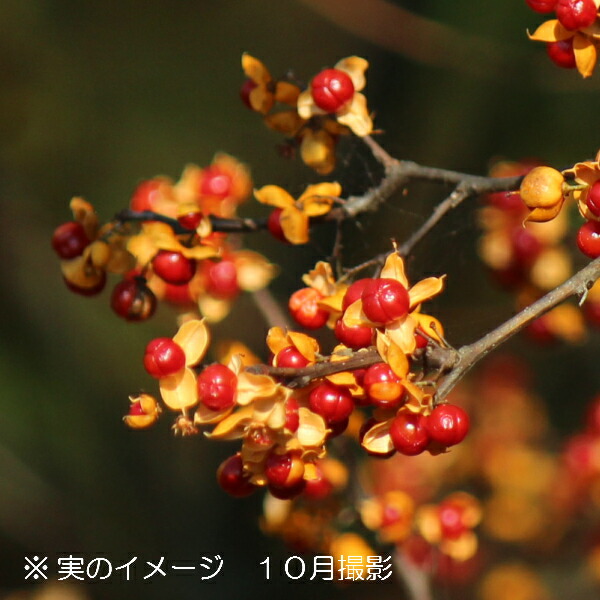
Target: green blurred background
[(95, 97)]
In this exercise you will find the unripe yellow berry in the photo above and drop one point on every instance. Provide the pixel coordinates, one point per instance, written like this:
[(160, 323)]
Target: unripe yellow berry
[(542, 187)]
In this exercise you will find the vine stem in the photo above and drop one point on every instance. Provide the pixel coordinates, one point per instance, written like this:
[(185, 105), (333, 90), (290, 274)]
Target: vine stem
[(469, 355)]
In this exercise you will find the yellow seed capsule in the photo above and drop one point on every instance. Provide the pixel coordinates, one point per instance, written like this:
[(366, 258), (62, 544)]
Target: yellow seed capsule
[(542, 187)]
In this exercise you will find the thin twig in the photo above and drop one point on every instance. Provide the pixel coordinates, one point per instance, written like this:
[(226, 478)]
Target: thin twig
[(468, 355), (270, 309)]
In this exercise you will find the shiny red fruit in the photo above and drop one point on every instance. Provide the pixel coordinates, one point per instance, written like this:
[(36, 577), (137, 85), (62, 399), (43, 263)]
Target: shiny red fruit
[(576, 14), (133, 300), (232, 479), (331, 89), (173, 267), (561, 53), (145, 195), (383, 386), (385, 300), (303, 305), (290, 357), (221, 279), (163, 357), (216, 183), (333, 402), (274, 225), (593, 199), (190, 220), (354, 292), (541, 6), (588, 239), (358, 336), (447, 424), (284, 470), (69, 240), (245, 90), (287, 493), (217, 386), (409, 433), (319, 488)]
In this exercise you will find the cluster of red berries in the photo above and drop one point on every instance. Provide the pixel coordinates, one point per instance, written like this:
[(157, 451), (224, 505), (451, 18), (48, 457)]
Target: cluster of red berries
[(216, 384), (572, 15)]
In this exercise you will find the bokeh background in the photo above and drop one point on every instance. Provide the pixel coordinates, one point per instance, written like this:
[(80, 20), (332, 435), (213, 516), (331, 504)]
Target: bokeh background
[(97, 96)]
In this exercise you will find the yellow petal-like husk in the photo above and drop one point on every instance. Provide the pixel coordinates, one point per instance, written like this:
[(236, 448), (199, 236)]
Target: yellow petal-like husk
[(294, 224), (586, 54), (317, 150), (306, 345), (394, 269), (234, 426), (193, 337), (425, 290), (356, 116), (287, 122), (273, 195), (254, 69), (377, 439), (402, 333), (179, 391), (287, 93), (355, 67), (550, 31), (254, 271), (311, 429)]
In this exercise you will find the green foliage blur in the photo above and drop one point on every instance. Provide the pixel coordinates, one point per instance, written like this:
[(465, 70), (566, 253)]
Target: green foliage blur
[(97, 96)]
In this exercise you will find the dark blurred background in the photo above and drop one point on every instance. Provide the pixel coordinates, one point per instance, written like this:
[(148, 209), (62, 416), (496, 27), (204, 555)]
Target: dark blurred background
[(95, 97)]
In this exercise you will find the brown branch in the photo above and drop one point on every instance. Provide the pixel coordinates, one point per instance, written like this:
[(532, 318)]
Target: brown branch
[(221, 224), (302, 377), (469, 355), (270, 309)]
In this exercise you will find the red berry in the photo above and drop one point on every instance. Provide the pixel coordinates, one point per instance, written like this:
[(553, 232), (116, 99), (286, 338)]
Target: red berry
[(526, 246), (133, 300), (319, 488), (541, 6), (447, 424), (331, 89), (145, 195), (284, 470), (385, 300), (354, 292), (333, 402), (190, 220), (355, 337), (337, 428), (245, 90), (274, 225), (593, 199), (217, 386), (451, 515), (290, 357), (305, 310), (292, 416), (591, 310), (136, 409), (576, 14), (420, 340), (173, 267), (561, 53), (69, 240), (383, 386), (287, 493), (163, 357), (588, 239), (409, 433), (232, 479), (215, 182), (221, 279)]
